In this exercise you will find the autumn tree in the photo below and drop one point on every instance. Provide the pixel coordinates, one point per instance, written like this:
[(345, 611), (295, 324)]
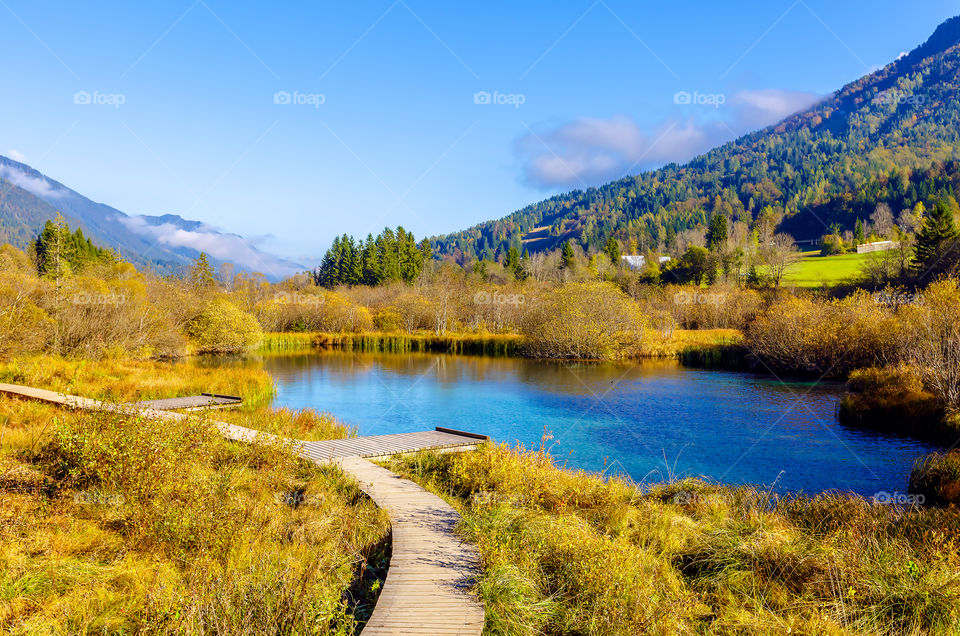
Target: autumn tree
[(778, 255), (882, 219)]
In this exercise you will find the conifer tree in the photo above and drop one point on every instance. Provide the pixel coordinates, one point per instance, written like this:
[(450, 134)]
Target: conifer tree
[(612, 250), (567, 257), (935, 243), (717, 235)]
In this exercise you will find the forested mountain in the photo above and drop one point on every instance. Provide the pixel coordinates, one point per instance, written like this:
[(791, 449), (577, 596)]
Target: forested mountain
[(28, 199), (892, 136)]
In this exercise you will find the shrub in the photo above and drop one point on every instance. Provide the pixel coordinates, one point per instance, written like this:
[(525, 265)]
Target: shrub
[(223, 328), (831, 244), (387, 319), (107, 309), (825, 337), (339, 314), (935, 349), (719, 306), (24, 327), (582, 320)]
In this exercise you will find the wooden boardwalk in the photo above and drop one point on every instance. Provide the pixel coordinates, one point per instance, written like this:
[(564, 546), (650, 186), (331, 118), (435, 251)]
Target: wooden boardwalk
[(189, 403), (386, 445), (427, 586)]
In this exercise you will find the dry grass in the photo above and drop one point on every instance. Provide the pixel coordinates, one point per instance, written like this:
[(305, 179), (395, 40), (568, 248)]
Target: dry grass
[(123, 379), (115, 524), (307, 425), (674, 342), (568, 552)]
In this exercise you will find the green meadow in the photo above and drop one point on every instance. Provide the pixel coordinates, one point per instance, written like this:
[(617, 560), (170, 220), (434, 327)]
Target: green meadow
[(814, 270)]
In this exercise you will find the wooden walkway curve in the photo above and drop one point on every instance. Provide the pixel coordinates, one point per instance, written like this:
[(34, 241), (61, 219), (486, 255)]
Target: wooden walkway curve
[(427, 586)]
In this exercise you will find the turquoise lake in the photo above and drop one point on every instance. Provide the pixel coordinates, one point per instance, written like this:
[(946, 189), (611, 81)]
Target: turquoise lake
[(650, 420)]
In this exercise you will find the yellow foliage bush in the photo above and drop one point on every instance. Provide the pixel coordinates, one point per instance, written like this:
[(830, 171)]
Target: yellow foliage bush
[(582, 320), (387, 319), (223, 328), (826, 337)]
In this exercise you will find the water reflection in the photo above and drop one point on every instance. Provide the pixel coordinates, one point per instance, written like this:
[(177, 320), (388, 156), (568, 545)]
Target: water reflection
[(648, 420)]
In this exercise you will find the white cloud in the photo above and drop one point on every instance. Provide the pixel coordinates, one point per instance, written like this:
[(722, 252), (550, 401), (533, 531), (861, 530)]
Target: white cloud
[(35, 185), (590, 151), (16, 155), (224, 247)]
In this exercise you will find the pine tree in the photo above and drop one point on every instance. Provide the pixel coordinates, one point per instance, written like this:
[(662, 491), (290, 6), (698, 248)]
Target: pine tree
[(201, 273), (371, 274), (612, 250), (568, 259), (513, 264), (858, 233), (935, 242), (717, 235), (54, 248)]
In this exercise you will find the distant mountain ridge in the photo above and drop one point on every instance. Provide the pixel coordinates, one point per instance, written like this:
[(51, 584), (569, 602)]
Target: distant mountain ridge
[(164, 243), (892, 136)]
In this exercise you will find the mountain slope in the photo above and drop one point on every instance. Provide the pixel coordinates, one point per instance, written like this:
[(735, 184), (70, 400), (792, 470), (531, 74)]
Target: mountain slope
[(165, 243), (893, 136)]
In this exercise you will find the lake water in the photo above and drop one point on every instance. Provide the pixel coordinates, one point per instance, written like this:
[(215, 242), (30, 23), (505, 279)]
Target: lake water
[(649, 420)]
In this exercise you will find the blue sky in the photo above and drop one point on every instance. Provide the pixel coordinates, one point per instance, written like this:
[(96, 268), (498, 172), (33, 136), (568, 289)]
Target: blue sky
[(388, 121)]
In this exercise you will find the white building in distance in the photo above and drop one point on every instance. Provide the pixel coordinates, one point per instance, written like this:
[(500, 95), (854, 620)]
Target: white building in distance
[(638, 261), (878, 246)]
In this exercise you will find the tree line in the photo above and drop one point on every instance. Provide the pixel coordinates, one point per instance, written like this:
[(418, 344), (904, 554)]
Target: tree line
[(60, 251), (390, 256)]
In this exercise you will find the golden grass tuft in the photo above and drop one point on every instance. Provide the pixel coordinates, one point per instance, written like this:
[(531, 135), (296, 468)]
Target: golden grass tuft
[(568, 552)]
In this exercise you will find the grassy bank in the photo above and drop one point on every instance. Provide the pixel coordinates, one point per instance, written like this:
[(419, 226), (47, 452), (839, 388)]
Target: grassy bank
[(678, 343), (894, 400), (116, 524), (397, 342), (567, 552), (704, 348), (125, 379)]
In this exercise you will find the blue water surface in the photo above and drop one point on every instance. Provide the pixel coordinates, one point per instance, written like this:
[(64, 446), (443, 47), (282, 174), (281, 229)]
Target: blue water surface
[(648, 420)]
